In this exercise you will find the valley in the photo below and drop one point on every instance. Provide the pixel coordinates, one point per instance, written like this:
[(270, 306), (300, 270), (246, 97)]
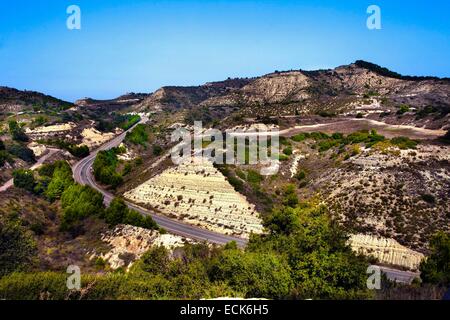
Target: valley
[(363, 177)]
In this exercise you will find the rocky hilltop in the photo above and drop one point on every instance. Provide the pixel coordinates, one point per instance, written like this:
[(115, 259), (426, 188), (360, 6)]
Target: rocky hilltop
[(13, 100), (361, 87)]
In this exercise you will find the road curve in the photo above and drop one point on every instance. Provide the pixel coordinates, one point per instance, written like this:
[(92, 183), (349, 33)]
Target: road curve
[(83, 174)]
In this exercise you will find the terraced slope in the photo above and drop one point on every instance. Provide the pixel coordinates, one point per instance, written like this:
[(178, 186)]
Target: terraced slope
[(199, 194)]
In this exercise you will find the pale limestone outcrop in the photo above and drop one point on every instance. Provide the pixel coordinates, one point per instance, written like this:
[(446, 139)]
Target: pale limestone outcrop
[(129, 243), (93, 138), (387, 251), (38, 149), (50, 129), (199, 194)]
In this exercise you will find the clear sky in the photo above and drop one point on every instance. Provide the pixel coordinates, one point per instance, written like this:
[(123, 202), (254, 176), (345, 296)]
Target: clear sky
[(139, 46)]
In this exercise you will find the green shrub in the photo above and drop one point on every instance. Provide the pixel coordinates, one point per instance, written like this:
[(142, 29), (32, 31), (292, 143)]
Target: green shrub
[(21, 152), (24, 179), (17, 247), (79, 202), (436, 268), (61, 179), (138, 135), (157, 150), (403, 109), (300, 137), (288, 151), (104, 167), (17, 132), (79, 151), (404, 143)]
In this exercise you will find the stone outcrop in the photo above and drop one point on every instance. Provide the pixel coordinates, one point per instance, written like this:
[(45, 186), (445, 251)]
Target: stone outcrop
[(199, 194), (387, 251), (129, 243)]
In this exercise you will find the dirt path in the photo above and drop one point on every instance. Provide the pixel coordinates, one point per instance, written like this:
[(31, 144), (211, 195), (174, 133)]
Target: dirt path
[(352, 125), (39, 163)]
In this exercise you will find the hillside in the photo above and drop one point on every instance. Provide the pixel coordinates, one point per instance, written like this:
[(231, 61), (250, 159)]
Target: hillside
[(13, 100), (360, 87)]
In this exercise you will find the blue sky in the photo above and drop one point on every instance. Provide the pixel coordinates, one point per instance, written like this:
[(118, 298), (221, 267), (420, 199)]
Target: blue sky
[(139, 46)]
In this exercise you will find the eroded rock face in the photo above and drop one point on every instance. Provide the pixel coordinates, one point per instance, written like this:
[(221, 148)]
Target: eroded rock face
[(387, 251), (199, 194), (399, 194), (94, 138), (129, 243)]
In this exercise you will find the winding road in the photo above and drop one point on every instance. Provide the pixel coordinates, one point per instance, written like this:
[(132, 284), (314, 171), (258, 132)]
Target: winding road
[(83, 175)]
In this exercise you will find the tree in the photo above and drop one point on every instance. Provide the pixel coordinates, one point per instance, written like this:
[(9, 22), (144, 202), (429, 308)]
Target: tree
[(17, 247), (116, 212), (17, 132), (282, 221), (436, 268), (62, 178), (104, 166), (79, 202), (24, 179), (119, 213), (257, 274), (79, 151), (138, 135), (22, 152)]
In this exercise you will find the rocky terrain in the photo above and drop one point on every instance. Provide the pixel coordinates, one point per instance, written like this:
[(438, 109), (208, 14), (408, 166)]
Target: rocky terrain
[(402, 195), (359, 88), (127, 244), (199, 194), (387, 251), (390, 198)]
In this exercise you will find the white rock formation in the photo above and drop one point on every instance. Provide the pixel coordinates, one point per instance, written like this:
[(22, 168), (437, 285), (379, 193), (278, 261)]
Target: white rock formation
[(386, 250), (199, 194), (133, 242), (94, 138)]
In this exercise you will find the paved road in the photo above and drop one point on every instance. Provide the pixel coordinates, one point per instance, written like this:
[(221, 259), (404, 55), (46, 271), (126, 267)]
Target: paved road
[(400, 275), (83, 175), (40, 161)]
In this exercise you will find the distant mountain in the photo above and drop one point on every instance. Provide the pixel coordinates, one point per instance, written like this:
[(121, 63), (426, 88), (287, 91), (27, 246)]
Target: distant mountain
[(337, 91), (118, 103), (13, 100)]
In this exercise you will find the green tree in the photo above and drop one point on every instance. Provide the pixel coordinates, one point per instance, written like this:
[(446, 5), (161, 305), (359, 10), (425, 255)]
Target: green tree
[(22, 152), (104, 166), (17, 132), (119, 213), (258, 274), (138, 135), (436, 268), (24, 179), (80, 202), (17, 247), (116, 212), (62, 178)]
